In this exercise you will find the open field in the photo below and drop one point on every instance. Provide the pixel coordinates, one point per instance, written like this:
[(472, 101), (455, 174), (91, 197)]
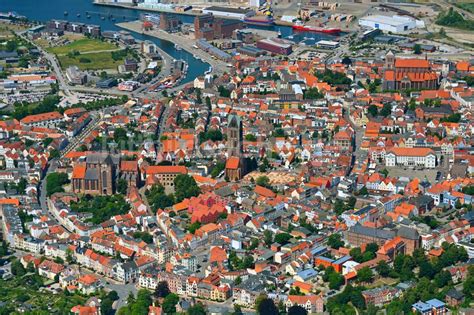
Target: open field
[(90, 61), (382, 281), (6, 29), (83, 45), (468, 6)]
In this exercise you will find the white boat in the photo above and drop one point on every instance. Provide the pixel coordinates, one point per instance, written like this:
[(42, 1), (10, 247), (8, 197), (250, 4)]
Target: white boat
[(195, 47), (177, 47)]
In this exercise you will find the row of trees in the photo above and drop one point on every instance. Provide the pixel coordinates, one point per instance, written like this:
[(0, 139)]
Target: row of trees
[(23, 109), (452, 18)]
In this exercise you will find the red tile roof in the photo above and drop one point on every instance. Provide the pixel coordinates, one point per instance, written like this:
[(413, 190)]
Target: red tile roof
[(163, 169), (232, 163), (411, 151), (41, 117), (412, 63), (79, 171)]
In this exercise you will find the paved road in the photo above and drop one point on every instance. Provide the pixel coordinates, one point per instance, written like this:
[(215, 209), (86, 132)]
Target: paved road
[(357, 153), (52, 165), (53, 62), (77, 140), (123, 290)]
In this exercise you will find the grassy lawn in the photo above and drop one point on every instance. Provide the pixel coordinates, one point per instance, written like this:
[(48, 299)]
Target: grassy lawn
[(382, 281), (466, 6), (83, 45), (6, 29), (90, 61)]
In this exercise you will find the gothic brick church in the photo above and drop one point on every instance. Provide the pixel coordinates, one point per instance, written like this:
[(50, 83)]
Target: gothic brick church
[(235, 164), (96, 175), (408, 74)]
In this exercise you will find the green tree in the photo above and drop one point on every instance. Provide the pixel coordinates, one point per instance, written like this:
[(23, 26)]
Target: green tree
[(312, 94), (250, 137), (365, 275), (346, 61), (282, 238), (122, 186), (120, 135), (468, 285), (417, 49), (297, 310), (158, 199), (11, 45), (196, 309), (54, 183), (339, 206), (194, 226), (169, 304), (185, 187), (17, 268), (267, 307), (263, 181), (383, 268), (54, 154), (356, 254), (238, 280), (373, 110), (237, 310), (3, 249), (162, 290), (144, 236), (279, 133), (386, 110), (69, 256), (336, 280), (268, 237), (217, 169), (101, 207), (335, 241), (452, 18), (223, 92), (442, 279), (333, 77), (198, 96)]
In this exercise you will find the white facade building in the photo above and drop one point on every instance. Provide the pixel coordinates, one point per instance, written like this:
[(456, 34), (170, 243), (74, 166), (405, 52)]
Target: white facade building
[(424, 157)]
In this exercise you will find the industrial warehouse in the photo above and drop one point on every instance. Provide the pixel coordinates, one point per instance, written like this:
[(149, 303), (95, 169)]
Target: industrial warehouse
[(394, 24)]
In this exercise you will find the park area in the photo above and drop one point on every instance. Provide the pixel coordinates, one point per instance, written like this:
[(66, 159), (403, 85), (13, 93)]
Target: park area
[(90, 61), (89, 54), (83, 45)]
